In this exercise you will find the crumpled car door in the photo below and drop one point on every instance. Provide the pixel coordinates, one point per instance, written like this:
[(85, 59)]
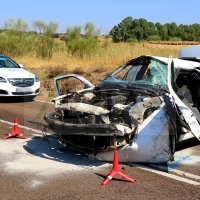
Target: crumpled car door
[(186, 112), (61, 83)]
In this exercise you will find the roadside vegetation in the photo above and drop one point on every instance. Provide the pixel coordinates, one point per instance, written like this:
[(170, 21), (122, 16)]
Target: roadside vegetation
[(80, 50)]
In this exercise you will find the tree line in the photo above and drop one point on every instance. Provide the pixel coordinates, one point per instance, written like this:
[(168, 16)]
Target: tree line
[(17, 39), (141, 30)]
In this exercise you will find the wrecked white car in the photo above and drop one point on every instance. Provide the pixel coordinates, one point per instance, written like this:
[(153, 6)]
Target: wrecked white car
[(142, 109)]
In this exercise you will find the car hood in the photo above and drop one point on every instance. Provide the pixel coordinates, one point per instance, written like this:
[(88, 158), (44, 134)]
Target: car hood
[(15, 73)]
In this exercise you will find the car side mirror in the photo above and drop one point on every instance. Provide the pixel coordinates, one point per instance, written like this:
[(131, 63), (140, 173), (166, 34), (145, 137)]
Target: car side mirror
[(21, 65)]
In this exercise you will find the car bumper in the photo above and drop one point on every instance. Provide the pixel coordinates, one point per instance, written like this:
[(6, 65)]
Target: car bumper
[(8, 90)]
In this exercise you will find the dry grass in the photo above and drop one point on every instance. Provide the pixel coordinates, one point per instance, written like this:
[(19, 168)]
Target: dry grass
[(94, 68), (114, 55)]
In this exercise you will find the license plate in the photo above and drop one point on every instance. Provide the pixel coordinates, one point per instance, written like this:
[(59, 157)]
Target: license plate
[(23, 90)]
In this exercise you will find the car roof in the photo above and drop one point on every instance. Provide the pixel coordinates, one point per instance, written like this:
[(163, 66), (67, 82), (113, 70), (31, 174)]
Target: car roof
[(190, 52), (179, 63)]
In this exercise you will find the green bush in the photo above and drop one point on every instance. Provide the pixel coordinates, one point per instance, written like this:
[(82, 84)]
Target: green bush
[(56, 35), (132, 40), (83, 48), (64, 38), (45, 47), (10, 44), (73, 33), (175, 39), (154, 38), (105, 44)]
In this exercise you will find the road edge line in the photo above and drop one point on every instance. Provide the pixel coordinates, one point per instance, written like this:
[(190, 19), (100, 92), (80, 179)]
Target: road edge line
[(24, 127), (172, 176)]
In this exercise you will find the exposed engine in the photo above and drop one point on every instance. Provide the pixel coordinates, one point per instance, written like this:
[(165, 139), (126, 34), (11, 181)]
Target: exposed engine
[(100, 120)]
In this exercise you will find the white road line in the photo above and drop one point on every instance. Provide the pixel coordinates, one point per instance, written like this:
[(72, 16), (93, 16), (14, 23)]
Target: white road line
[(185, 174), (24, 127), (189, 175), (178, 178), (44, 101)]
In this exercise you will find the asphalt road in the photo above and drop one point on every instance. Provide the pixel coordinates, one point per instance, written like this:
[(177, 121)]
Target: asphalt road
[(37, 168)]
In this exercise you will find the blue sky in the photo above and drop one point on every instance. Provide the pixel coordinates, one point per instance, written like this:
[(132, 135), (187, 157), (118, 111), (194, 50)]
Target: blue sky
[(104, 14)]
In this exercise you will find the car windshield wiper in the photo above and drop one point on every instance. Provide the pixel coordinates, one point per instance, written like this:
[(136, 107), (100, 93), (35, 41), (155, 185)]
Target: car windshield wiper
[(108, 84), (144, 89), (120, 85), (97, 89)]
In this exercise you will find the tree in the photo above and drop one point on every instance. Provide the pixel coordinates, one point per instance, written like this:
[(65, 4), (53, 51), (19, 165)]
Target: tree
[(46, 29), (39, 25), (162, 30), (125, 28), (139, 33), (91, 31), (16, 27), (151, 29), (73, 33), (143, 28), (50, 29), (180, 31), (116, 34), (172, 29), (197, 31)]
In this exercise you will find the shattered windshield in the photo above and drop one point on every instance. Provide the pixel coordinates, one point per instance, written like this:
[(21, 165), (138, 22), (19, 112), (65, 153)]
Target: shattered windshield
[(141, 72)]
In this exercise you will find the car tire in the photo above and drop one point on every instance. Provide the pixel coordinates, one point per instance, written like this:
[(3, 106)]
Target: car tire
[(172, 144), (29, 98)]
